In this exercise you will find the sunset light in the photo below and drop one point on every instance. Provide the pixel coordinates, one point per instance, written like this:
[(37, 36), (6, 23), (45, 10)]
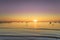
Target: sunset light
[(29, 19), (35, 20)]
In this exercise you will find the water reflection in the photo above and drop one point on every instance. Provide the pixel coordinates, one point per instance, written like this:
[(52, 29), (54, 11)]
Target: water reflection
[(31, 28), (30, 25)]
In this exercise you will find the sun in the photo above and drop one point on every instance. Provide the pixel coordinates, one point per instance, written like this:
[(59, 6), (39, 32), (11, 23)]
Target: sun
[(35, 20)]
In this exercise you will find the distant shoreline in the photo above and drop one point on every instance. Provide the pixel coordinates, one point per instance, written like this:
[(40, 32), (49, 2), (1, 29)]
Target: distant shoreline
[(28, 21)]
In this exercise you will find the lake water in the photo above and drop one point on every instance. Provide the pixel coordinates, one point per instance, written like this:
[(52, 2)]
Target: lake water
[(30, 29)]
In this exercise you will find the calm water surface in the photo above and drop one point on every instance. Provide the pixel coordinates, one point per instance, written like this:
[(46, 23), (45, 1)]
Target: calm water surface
[(32, 28)]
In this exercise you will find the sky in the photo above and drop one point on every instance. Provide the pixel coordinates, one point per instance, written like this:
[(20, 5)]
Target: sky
[(41, 10)]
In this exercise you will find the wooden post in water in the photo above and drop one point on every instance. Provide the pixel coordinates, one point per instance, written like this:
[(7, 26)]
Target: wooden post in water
[(50, 22)]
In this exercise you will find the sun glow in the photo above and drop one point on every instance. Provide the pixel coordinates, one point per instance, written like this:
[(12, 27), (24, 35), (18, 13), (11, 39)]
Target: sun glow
[(35, 20)]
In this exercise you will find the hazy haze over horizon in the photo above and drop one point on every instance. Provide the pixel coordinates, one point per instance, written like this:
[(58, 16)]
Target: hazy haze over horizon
[(41, 10)]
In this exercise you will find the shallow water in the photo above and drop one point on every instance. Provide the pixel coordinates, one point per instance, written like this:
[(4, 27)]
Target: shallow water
[(34, 29)]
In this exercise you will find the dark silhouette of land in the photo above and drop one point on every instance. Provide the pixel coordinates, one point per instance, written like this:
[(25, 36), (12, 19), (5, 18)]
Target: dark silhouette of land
[(29, 21)]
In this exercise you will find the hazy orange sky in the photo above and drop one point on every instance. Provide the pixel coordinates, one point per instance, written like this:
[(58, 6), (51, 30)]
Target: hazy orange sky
[(28, 10)]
